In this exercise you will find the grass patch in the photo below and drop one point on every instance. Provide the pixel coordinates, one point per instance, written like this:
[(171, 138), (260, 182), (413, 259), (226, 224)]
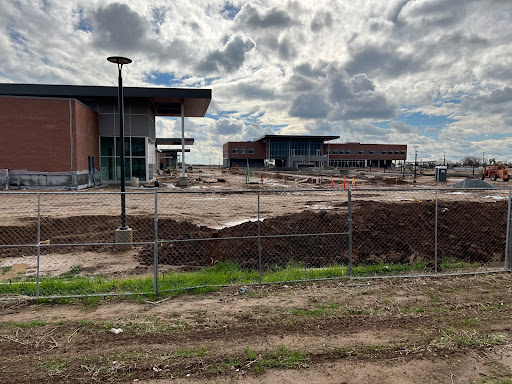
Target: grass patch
[(383, 268), (53, 366), (21, 324), (205, 280), (452, 263), (71, 273), (6, 269), (282, 357), (454, 338)]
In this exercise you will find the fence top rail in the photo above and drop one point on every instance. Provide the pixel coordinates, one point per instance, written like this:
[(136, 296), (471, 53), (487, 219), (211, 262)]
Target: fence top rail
[(221, 191), (453, 189), (255, 191)]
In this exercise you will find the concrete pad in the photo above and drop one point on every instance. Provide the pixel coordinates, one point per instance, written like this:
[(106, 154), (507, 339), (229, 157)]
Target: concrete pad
[(124, 236)]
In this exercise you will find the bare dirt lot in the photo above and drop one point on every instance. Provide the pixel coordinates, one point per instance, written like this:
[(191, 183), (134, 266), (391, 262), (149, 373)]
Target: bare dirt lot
[(445, 330), (449, 330)]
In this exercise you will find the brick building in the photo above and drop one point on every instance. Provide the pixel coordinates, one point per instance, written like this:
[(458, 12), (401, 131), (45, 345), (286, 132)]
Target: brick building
[(63, 135), (295, 151)]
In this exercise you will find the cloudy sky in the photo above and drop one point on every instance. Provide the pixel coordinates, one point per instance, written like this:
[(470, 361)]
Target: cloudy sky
[(431, 73)]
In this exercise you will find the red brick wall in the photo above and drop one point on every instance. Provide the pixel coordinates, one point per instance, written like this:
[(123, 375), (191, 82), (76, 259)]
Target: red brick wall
[(34, 134), (260, 151), (85, 137), (356, 147)]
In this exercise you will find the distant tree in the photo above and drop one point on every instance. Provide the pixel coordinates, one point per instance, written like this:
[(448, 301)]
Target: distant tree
[(492, 161), (471, 161)]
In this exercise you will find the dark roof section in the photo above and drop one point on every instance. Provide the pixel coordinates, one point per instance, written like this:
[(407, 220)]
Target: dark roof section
[(297, 137), (172, 151), (173, 141), (165, 100)]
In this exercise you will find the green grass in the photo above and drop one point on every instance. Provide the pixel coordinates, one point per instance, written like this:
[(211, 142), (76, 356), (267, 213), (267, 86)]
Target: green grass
[(6, 269), (454, 338), (71, 273), (452, 263), (53, 365), (205, 280), (282, 357), (22, 324), (383, 268)]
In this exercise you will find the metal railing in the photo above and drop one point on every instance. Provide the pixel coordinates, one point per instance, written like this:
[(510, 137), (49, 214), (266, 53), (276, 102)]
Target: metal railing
[(62, 244)]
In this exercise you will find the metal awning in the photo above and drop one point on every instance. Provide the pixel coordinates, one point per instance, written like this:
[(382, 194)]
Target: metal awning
[(166, 101), (173, 141)]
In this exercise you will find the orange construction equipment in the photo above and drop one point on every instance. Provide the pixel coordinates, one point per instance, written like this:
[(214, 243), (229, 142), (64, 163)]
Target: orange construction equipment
[(494, 172)]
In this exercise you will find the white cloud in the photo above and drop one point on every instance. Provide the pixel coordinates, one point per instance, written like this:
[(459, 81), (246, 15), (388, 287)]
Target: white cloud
[(303, 67)]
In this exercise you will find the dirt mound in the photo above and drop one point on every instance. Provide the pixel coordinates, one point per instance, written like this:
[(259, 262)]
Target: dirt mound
[(473, 183), (390, 232)]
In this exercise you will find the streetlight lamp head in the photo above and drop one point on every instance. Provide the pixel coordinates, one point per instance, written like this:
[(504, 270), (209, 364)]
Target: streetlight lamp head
[(119, 60)]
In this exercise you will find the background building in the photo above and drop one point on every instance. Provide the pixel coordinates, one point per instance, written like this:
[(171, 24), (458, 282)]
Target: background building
[(292, 151), (64, 135)]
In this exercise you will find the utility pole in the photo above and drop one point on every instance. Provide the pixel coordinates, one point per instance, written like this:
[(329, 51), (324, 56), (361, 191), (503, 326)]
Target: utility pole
[(483, 159), (444, 158), (415, 161)]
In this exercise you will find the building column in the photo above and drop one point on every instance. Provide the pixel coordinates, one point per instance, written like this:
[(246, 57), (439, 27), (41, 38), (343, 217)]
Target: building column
[(183, 180)]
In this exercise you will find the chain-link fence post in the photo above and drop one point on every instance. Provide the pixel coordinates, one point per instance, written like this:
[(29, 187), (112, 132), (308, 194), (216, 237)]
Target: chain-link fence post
[(350, 233), (259, 241), (155, 261), (38, 242), (435, 241), (508, 242)]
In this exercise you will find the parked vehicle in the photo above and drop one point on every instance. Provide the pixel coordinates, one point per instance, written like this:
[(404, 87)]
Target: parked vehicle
[(494, 172)]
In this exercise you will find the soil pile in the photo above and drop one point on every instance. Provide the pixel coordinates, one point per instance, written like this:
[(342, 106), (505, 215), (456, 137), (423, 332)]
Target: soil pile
[(389, 232), (473, 183)]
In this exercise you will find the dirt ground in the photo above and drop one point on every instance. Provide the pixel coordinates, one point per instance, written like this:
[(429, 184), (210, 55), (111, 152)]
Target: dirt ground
[(446, 330)]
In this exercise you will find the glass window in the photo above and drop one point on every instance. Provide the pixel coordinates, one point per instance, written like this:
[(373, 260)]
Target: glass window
[(138, 145), (139, 168), (251, 151), (107, 146), (126, 146), (107, 168), (235, 150), (384, 152), (243, 150), (126, 168), (347, 152), (361, 152), (372, 152)]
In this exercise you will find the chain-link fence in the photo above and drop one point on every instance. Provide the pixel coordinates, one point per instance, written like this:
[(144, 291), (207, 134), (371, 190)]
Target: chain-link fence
[(65, 244)]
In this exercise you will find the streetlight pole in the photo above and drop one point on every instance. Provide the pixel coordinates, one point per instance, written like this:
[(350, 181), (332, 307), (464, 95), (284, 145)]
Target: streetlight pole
[(123, 233)]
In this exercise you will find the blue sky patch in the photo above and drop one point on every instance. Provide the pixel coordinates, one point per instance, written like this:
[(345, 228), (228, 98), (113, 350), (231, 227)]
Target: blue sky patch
[(159, 78), (229, 11), (422, 120)]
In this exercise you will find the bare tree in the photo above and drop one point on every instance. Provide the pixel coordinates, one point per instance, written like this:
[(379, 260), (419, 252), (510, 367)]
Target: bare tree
[(471, 161)]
